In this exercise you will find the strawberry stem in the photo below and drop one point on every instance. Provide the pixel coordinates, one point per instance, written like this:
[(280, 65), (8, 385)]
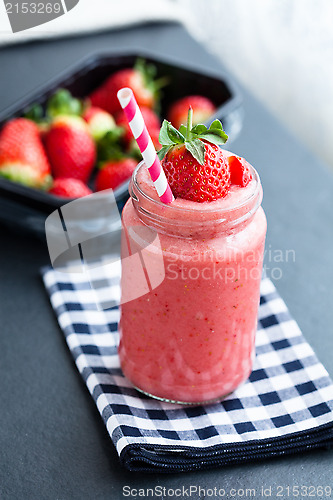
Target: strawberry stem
[(189, 123), (193, 137)]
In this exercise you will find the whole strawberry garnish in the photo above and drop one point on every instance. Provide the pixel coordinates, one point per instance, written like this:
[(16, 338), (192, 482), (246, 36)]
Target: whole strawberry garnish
[(22, 155), (194, 165), (113, 173), (140, 79), (203, 109), (99, 122), (240, 173), (70, 148), (67, 187), (150, 118)]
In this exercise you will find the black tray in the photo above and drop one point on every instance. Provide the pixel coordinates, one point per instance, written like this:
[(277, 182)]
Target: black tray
[(29, 207)]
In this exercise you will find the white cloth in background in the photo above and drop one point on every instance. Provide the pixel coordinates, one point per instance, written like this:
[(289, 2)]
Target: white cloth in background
[(93, 16), (283, 52)]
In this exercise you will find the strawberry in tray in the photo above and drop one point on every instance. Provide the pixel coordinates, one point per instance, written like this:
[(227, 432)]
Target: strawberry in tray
[(141, 79), (203, 109), (114, 172), (69, 188), (70, 148), (99, 122), (22, 155)]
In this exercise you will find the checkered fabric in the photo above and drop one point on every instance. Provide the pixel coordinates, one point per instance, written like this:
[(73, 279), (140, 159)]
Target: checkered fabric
[(285, 407)]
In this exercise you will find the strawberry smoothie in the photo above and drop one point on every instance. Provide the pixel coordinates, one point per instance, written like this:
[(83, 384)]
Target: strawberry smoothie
[(191, 338)]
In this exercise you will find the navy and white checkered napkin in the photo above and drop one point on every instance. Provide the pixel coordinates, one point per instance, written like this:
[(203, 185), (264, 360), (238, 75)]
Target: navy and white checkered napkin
[(285, 407)]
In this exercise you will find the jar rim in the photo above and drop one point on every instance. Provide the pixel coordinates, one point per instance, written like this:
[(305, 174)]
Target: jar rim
[(175, 209)]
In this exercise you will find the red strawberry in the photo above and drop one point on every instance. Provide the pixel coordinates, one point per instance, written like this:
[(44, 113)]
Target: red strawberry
[(99, 122), (194, 165), (67, 187), (150, 118), (70, 148), (139, 79), (240, 173), (22, 155), (114, 173), (203, 108)]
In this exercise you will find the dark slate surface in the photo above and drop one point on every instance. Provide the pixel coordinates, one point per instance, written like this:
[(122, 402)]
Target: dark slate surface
[(53, 444)]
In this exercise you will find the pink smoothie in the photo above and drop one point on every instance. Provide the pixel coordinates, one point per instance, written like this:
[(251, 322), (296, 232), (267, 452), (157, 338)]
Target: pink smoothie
[(191, 339)]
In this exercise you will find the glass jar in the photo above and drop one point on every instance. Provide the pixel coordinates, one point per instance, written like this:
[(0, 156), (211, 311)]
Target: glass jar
[(190, 291)]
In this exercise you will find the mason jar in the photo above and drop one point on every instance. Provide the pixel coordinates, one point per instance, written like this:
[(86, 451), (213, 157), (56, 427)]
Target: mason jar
[(190, 291)]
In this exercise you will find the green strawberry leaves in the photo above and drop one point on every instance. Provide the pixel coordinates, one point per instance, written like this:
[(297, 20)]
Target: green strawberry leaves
[(163, 151), (109, 147), (63, 103), (215, 132), (199, 129), (191, 137), (60, 103), (148, 72), (197, 150), (169, 135), (35, 113)]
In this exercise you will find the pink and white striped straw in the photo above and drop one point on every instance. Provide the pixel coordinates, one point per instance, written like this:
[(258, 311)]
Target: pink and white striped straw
[(146, 146)]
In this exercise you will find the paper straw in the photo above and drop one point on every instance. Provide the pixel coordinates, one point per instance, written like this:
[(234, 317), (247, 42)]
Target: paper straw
[(146, 146)]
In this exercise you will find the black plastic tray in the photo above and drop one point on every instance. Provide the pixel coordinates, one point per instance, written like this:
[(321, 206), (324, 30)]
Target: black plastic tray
[(80, 80)]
